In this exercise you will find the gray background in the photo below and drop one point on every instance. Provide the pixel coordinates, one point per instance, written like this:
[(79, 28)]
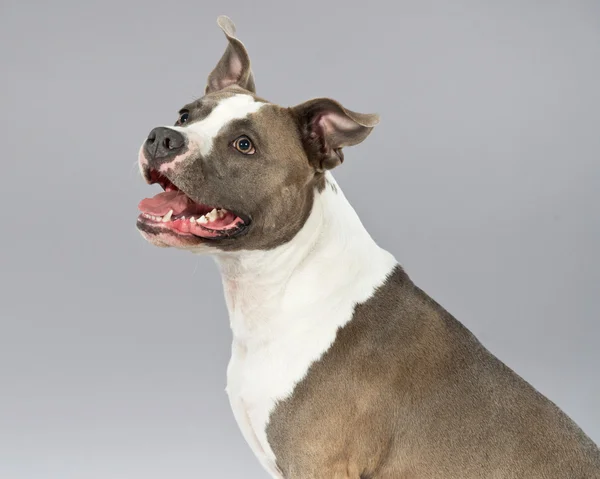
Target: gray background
[(483, 179)]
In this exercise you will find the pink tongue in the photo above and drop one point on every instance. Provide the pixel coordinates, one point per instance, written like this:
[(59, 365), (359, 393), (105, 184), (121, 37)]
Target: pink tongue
[(160, 204)]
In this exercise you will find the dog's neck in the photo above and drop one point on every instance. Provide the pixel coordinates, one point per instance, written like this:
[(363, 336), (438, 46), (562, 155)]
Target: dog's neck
[(331, 256)]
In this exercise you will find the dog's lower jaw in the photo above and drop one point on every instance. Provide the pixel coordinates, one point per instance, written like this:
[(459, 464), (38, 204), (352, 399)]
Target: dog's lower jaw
[(153, 239), (286, 305)]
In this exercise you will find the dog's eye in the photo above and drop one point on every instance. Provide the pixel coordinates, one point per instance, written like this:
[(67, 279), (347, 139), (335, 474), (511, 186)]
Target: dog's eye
[(244, 145), (183, 117)]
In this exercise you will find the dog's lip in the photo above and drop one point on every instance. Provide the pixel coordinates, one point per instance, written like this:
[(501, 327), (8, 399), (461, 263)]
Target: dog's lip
[(160, 227), (152, 177)]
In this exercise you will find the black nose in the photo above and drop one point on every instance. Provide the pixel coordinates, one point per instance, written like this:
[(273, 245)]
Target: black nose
[(164, 144)]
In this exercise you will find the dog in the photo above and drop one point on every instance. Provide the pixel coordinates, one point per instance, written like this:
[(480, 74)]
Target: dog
[(341, 367)]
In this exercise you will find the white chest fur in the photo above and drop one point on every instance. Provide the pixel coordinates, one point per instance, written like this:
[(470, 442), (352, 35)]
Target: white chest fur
[(286, 305)]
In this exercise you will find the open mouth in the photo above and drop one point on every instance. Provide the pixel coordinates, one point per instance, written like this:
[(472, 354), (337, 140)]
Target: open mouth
[(173, 210)]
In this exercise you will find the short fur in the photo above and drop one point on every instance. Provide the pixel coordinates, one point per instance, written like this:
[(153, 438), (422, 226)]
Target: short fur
[(428, 401), (341, 367)]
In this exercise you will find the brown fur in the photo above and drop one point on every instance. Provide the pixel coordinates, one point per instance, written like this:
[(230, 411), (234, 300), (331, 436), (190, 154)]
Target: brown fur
[(406, 391), (274, 187)]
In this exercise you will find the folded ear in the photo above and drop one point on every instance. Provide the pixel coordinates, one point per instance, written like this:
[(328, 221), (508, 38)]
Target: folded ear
[(234, 66), (327, 127)]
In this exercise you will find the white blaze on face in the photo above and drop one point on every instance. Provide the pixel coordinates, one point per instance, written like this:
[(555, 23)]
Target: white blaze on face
[(229, 109), (201, 134)]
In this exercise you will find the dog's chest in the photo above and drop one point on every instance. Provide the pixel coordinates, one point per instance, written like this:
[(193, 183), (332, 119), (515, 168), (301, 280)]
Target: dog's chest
[(285, 309), (264, 372)]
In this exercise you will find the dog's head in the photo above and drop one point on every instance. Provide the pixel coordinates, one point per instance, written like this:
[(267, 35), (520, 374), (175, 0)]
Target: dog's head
[(238, 172)]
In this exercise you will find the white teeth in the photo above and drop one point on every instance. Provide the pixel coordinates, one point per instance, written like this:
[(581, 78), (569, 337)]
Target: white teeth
[(158, 218), (213, 215), (167, 217), (182, 218), (192, 220), (202, 219), (221, 213)]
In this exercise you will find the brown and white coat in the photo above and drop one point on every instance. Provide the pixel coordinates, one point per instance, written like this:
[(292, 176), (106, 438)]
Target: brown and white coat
[(341, 366)]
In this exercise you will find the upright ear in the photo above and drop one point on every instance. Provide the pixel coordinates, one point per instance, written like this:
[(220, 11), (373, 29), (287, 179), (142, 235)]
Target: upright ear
[(234, 66), (326, 127)]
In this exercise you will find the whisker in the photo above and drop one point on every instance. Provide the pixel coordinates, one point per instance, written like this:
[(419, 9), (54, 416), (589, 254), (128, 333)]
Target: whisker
[(196, 267)]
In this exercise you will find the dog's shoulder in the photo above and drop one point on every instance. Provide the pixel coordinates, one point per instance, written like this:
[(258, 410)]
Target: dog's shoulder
[(404, 379)]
